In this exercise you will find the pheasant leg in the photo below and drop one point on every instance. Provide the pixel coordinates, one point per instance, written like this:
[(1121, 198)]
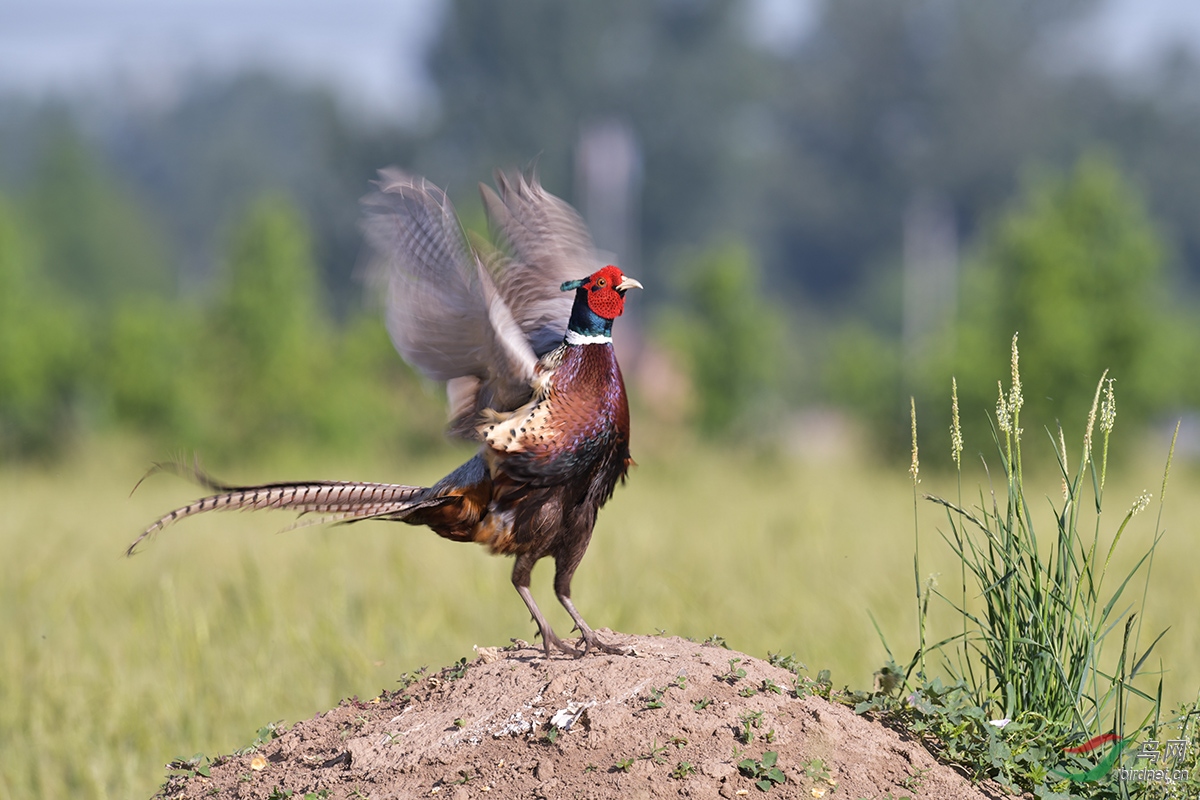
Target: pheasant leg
[(522, 571), (547, 633), (587, 635)]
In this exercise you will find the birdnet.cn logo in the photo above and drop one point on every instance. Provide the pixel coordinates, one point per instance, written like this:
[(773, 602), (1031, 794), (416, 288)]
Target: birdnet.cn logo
[(1163, 760)]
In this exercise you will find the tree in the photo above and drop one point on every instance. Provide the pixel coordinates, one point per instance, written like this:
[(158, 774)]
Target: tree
[(520, 81), (98, 243), (882, 102), (42, 354), (1077, 267), (270, 343), (730, 339)]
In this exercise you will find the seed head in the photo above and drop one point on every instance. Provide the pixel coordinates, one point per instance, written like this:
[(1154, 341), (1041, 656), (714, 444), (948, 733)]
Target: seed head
[(1108, 409), (1003, 418), (1062, 446), (1140, 504), (1091, 423), (915, 469), (956, 439), (1015, 398)]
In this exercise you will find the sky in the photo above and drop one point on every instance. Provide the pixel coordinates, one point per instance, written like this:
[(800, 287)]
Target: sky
[(369, 50)]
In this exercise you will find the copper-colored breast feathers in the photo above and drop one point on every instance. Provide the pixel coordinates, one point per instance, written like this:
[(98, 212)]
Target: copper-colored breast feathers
[(577, 422)]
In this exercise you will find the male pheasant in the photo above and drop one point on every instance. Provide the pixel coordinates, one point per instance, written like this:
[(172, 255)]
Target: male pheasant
[(523, 339)]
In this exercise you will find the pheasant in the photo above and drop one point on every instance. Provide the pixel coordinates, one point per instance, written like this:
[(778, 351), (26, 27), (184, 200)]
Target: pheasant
[(523, 340)]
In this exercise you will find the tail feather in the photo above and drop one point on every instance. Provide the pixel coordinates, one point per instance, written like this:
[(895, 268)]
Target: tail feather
[(343, 501)]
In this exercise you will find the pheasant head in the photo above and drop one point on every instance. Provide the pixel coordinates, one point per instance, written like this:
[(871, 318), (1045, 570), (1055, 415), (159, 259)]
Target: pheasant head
[(599, 299)]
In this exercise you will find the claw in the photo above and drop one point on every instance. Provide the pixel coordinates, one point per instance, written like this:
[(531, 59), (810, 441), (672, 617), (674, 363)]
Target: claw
[(591, 640)]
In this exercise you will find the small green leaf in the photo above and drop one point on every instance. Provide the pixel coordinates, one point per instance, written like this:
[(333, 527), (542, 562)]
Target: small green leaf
[(776, 774), (769, 758), (764, 784)]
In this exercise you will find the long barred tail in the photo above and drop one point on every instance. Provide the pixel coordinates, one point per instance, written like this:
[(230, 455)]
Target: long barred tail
[(340, 501)]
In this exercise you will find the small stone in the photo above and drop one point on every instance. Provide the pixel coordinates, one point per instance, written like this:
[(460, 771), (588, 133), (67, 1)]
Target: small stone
[(544, 770)]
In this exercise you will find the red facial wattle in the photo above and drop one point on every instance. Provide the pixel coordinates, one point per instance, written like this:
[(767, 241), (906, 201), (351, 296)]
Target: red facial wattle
[(602, 295)]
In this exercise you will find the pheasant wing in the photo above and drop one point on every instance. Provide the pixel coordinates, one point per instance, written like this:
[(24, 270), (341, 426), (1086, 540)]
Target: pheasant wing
[(444, 314), (548, 244)]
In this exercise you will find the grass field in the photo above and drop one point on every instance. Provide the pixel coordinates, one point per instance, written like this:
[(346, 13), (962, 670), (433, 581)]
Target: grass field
[(110, 667)]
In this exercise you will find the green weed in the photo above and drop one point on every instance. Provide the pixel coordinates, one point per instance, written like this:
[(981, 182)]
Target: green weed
[(657, 753), (788, 662), (1033, 663), (763, 771), (198, 764), (456, 671), (749, 720)]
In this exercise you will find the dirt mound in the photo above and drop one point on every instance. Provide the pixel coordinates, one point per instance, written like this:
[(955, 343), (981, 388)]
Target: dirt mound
[(676, 719)]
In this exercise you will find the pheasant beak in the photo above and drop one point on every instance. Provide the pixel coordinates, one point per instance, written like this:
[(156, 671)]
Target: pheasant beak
[(628, 283)]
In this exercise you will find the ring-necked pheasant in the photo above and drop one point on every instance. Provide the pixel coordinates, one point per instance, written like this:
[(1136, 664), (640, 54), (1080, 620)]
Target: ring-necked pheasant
[(523, 339)]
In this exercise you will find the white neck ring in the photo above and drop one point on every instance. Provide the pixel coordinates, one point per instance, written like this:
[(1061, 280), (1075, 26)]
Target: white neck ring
[(580, 338)]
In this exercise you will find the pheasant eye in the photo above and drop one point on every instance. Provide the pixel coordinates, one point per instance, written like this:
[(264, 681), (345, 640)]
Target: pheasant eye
[(602, 282)]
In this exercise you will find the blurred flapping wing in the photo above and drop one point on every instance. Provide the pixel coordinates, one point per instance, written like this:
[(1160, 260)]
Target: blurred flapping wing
[(444, 313), (547, 244)]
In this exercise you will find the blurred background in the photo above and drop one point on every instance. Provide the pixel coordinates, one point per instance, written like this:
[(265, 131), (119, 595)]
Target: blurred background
[(853, 201), (834, 207)]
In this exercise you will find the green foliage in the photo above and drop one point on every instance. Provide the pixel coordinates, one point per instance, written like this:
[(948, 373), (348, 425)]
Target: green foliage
[(269, 344), (42, 350), (749, 720), (729, 336), (153, 374), (763, 771), (99, 243), (862, 371), (262, 367), (961, 732), (1077, 267), (1036, 613), (199, 764), (1047, 614)]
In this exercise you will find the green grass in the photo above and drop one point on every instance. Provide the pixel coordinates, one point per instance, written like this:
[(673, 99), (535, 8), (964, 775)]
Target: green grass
[(1051, 642), (1039, 606), (111, 667)]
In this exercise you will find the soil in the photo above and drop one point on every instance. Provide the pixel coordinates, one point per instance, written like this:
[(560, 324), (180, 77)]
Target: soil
[(669, 720)]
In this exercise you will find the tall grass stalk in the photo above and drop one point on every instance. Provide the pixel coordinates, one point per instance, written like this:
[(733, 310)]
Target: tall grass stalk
[(915, 471), (1042, 616)]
